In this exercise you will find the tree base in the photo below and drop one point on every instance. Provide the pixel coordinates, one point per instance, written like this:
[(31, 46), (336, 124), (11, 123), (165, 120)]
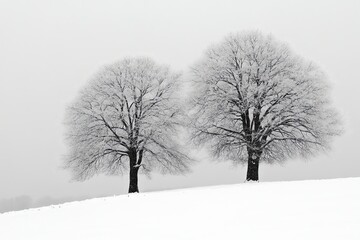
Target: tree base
[(253, 169)]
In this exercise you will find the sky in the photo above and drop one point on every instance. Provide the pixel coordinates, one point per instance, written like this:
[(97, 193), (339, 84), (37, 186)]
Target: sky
[(50, 49)]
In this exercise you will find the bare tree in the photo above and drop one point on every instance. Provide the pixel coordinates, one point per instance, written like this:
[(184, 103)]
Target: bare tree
[(257, 101), (126, 119)]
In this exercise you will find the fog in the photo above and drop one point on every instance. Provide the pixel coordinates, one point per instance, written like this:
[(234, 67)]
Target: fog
[(50, 49)]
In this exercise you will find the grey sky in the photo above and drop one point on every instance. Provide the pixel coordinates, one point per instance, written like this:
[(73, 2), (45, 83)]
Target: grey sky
[(50, 49)]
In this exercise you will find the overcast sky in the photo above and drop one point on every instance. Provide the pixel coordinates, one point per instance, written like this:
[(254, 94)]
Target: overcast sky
[(50, 49)]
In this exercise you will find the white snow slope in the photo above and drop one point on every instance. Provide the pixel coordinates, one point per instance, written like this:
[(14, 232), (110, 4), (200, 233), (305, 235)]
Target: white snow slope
[(320, 209)]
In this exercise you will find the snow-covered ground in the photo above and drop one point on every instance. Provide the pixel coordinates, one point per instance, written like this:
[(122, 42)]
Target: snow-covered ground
[(321, 209)]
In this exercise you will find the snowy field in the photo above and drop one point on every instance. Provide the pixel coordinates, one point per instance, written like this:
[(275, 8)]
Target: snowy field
[(320, 209)]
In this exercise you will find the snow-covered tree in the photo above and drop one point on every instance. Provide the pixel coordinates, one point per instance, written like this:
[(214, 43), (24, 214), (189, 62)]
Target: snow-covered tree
[(256, 101), (126, 119)]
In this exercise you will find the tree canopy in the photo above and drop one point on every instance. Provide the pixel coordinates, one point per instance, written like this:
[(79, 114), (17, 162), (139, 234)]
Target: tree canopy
[(256, 100), (126, 118)]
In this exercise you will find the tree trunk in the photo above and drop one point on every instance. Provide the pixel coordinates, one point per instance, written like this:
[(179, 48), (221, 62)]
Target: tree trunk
[(253, 166), (134, 169)]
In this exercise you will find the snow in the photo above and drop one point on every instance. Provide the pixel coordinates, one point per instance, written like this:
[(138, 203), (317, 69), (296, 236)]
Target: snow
[(316, 209)]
